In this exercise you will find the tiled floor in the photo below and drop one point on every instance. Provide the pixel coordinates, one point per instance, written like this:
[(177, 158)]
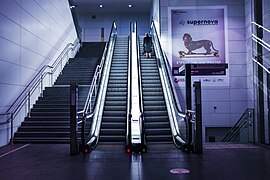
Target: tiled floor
[(218, 162)]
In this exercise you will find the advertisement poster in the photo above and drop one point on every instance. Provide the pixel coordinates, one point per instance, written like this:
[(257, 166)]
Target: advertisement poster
[(198, 37)]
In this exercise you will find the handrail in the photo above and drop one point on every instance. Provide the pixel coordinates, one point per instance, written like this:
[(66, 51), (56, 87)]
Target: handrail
[(238, 125), (263, 44), (262, 66), (260, 26), (129, 90), (174, 113), (94, 84), (96, 79), (142, 121), (38, 78), (176, 100), (92, 138), (87, 110), (179, 110)]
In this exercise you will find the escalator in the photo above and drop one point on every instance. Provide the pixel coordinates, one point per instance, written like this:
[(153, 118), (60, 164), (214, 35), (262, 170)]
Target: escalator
[(159, 121), (113, 126), (157, 126), (164, 122), (108, 120)]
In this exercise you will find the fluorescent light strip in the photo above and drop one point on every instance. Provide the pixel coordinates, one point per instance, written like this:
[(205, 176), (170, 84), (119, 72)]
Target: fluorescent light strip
[(260, 26), (258, 41), (261, 65)]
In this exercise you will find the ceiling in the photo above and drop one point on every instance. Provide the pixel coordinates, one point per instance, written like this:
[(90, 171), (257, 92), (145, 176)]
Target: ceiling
[(112, 6)]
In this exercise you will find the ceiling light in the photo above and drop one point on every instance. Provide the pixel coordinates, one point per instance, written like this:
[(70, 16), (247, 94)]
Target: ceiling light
[(72, 6), (129, 5), (101, 5)]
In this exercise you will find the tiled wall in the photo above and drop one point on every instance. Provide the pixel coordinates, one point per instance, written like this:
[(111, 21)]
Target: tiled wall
[(92, 26), (229, 101), (32, 33)]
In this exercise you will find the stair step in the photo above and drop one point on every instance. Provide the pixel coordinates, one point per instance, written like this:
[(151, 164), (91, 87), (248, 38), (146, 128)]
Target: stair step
[(114, 119), (112, 138), (157, 124), (117, 125), (159, 138), (158, 131), (50, 116), (114, 131)]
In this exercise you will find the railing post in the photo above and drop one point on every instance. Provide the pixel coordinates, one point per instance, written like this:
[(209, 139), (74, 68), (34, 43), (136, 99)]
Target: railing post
[(41, 85), (61, 67), (198, 147), (74, 148), (11, 129), (29, 104), (188, 99), (51, 73), (83, 132), (268, 103)]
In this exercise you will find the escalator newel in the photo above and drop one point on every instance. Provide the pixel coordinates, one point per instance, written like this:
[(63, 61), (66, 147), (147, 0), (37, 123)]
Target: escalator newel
[(74, 148)]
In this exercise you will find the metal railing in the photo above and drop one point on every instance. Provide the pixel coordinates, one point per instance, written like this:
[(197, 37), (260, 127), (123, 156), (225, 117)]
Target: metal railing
[(259, 59), (91, 139), (24, 99), (245, 122), (142, 121), (177, 118), (87, 111), (129, 91)]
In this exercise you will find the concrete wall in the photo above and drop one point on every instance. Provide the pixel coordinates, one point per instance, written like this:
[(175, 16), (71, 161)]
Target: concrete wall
[(230, 101), (32, 33)]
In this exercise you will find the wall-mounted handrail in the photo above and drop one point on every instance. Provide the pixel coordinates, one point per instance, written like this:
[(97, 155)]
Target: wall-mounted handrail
[(258, 58), (237, 128), (262, 66), (175, 115), (260, 26), (261, 42), (37, 81)]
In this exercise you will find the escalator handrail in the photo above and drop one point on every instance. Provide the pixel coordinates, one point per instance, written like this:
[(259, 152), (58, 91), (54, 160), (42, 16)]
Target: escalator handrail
[(171, 102), (142, 122), (92, 138), (179, 110), (177, 103), (129, 90), (87, 110)]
